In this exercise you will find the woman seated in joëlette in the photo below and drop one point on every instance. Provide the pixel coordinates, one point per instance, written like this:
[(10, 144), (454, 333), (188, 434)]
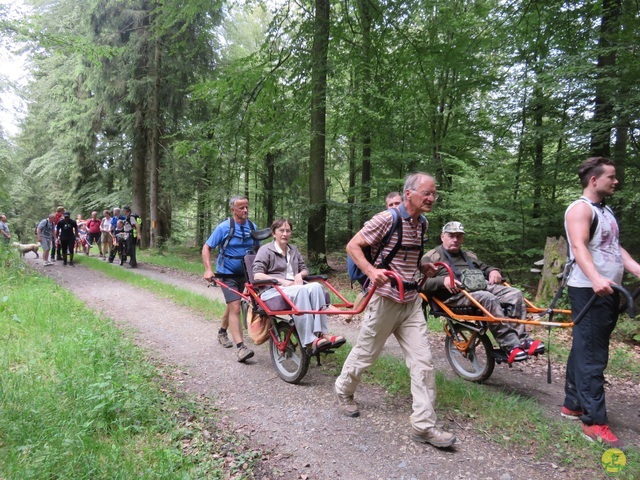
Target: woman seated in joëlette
[(283, 262)]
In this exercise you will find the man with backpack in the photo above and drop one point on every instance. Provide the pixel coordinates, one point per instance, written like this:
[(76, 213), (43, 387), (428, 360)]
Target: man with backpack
[(114, 223), (46, 232), (67, 230), (388, 314), (233, 239), (132, 228)]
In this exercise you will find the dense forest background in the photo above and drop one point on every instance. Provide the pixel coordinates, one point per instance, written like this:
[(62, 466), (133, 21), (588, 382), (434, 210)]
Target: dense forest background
[(315, 109)]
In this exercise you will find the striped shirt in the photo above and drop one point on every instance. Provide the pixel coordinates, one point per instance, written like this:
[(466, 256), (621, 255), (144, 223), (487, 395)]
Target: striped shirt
[(405, 263)]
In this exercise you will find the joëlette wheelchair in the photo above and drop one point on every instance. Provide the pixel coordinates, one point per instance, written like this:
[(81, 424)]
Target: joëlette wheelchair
[(468, 347), (290, 357)]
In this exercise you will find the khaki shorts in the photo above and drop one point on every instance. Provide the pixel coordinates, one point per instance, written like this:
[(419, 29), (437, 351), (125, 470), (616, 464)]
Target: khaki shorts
[(107, 238)]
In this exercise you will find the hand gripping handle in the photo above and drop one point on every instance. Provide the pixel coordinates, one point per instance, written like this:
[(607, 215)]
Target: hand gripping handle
[(623, 291)]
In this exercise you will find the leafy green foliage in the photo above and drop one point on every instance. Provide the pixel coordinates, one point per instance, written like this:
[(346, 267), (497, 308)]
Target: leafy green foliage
[(495, 99)]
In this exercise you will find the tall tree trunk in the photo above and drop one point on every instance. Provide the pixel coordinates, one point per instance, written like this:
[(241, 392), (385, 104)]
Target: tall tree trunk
[(364, 8), (317, 191), (538, 157), (269, 185), (603, 104), (139, 167), (559, 150), (623, 125), (521, 140), (154, 151), (247, 163), (351, 198), (200, 214)]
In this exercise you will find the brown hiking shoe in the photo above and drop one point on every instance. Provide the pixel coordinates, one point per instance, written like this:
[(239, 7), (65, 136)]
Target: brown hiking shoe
[(244, 354), (435, 437), (347, 405), (223, 338)]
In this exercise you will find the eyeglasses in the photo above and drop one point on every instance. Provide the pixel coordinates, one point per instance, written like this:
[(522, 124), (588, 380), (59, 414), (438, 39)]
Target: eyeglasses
[(434, 195), (283, 230)]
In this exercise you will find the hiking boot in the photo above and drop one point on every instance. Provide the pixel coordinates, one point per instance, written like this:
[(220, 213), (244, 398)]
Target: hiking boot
[(570, 414), (244, 354), (435, 437), (223, 338), (601, 433), (71, 263), (347, 404)]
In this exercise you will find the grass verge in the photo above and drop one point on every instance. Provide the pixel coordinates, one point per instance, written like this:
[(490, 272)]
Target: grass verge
[(79, 400), (187, 298), (185, 259)]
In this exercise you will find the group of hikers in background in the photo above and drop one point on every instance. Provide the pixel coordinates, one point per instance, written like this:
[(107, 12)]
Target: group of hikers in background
[(115, 233)]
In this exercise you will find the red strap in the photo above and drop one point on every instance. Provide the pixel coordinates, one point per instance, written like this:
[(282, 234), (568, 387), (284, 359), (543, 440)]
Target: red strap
[(512, 355), (333, 338), (533, 347)]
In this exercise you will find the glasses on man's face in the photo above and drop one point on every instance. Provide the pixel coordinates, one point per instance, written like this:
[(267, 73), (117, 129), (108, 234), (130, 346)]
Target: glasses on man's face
[(434, 195), (283, 230)]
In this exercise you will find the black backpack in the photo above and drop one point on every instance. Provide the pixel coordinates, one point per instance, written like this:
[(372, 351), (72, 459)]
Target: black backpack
[(357, 275), (225, 242), (128, 220)]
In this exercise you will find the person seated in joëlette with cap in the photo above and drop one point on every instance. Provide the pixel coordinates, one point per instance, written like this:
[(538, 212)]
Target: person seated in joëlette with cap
[(501, 301)]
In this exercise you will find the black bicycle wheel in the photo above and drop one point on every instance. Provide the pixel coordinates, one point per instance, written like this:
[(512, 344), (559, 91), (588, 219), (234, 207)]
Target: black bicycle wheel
[(293, 363), (477, 363)]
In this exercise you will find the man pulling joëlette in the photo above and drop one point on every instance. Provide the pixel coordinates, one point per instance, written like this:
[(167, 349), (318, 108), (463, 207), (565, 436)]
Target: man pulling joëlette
[(229, 269), (600, 261), (387, 314)]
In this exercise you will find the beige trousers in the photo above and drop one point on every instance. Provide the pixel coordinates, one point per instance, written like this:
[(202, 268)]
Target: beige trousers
[(406, 321)]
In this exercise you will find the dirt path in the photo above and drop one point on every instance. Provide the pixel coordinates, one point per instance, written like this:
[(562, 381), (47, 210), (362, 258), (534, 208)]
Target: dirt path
[(300, 425)]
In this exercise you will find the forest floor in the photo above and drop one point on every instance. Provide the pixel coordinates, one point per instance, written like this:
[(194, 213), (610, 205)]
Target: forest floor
[(298, 427)]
